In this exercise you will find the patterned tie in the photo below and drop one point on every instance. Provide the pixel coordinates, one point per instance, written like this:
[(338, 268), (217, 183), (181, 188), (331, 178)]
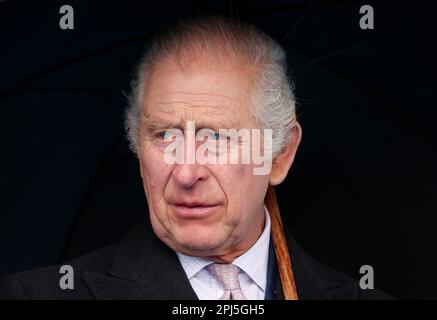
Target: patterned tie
[(227, 275)]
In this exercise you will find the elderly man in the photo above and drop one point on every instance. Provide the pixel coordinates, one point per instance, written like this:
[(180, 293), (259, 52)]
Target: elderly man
[(212, 122)]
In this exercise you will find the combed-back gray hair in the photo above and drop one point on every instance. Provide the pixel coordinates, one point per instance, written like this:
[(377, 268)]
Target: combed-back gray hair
[(220, 38)]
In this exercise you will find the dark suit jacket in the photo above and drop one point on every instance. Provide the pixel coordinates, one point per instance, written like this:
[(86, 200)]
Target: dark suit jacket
[(142, 267)]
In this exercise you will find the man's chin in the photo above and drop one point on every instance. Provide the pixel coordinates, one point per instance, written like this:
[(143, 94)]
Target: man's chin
[(198, 244)]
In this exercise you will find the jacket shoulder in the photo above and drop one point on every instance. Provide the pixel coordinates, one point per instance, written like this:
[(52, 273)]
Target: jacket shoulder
[(348, 288), (318, 281), (336, 285), (44, 283)]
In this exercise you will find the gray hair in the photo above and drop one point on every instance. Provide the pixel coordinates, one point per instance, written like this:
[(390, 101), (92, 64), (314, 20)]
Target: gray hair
[(215, 37)]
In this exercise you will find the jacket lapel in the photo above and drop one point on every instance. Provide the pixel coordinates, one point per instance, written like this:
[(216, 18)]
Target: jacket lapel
[(314, 280), (143, 268), (273, 286)]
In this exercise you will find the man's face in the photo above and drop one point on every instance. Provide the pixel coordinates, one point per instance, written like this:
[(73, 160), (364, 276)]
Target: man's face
[(201, 210)]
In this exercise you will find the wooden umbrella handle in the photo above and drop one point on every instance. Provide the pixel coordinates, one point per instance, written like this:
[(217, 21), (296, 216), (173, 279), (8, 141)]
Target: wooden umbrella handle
[(281, 247)]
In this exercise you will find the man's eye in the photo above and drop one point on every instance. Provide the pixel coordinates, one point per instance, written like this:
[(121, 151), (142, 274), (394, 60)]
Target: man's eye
[(169, 134), (161, 134), (214, 135)]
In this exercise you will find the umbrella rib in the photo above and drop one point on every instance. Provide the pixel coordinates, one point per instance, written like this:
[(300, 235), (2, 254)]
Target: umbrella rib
[(359, 43), (70, 89), (80, 57), (124, 17), (69, 61), (308, 100), (299, 19)]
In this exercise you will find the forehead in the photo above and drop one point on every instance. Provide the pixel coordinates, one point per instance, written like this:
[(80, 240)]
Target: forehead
[(206, 92)]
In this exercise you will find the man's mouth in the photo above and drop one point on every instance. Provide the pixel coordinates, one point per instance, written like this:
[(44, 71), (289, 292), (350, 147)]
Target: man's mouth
[(194, 210)]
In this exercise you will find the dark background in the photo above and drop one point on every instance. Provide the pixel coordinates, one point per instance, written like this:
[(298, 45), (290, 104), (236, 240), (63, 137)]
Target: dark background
[(364, 184)]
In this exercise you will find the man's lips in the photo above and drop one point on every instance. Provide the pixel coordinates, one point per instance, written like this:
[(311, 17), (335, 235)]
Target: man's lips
[(190, 210)]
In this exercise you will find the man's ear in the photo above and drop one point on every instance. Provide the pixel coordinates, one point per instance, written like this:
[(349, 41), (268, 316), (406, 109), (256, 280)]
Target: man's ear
[(282, 163)]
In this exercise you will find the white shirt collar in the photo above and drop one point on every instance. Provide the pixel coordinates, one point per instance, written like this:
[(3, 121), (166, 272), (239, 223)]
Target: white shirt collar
[(253, 262)]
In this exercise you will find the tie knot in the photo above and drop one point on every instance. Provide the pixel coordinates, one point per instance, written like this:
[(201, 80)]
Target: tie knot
[(226, 274)]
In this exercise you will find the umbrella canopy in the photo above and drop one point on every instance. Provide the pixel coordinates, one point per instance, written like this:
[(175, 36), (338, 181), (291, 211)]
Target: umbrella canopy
[(363, 186)]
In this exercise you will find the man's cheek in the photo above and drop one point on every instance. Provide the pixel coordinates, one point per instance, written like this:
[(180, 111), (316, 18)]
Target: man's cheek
[(155, 173), (233, 172), (153, 162), (233, 181)]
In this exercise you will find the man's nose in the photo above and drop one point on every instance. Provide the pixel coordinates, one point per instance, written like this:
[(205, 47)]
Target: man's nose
[(189, 172), (186, 175)]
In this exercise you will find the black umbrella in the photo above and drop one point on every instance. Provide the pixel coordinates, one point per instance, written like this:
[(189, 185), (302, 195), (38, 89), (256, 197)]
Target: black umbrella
[(361, 191)]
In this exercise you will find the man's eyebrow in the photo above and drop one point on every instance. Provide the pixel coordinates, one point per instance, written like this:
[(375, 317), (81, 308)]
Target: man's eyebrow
[(153, 125)]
